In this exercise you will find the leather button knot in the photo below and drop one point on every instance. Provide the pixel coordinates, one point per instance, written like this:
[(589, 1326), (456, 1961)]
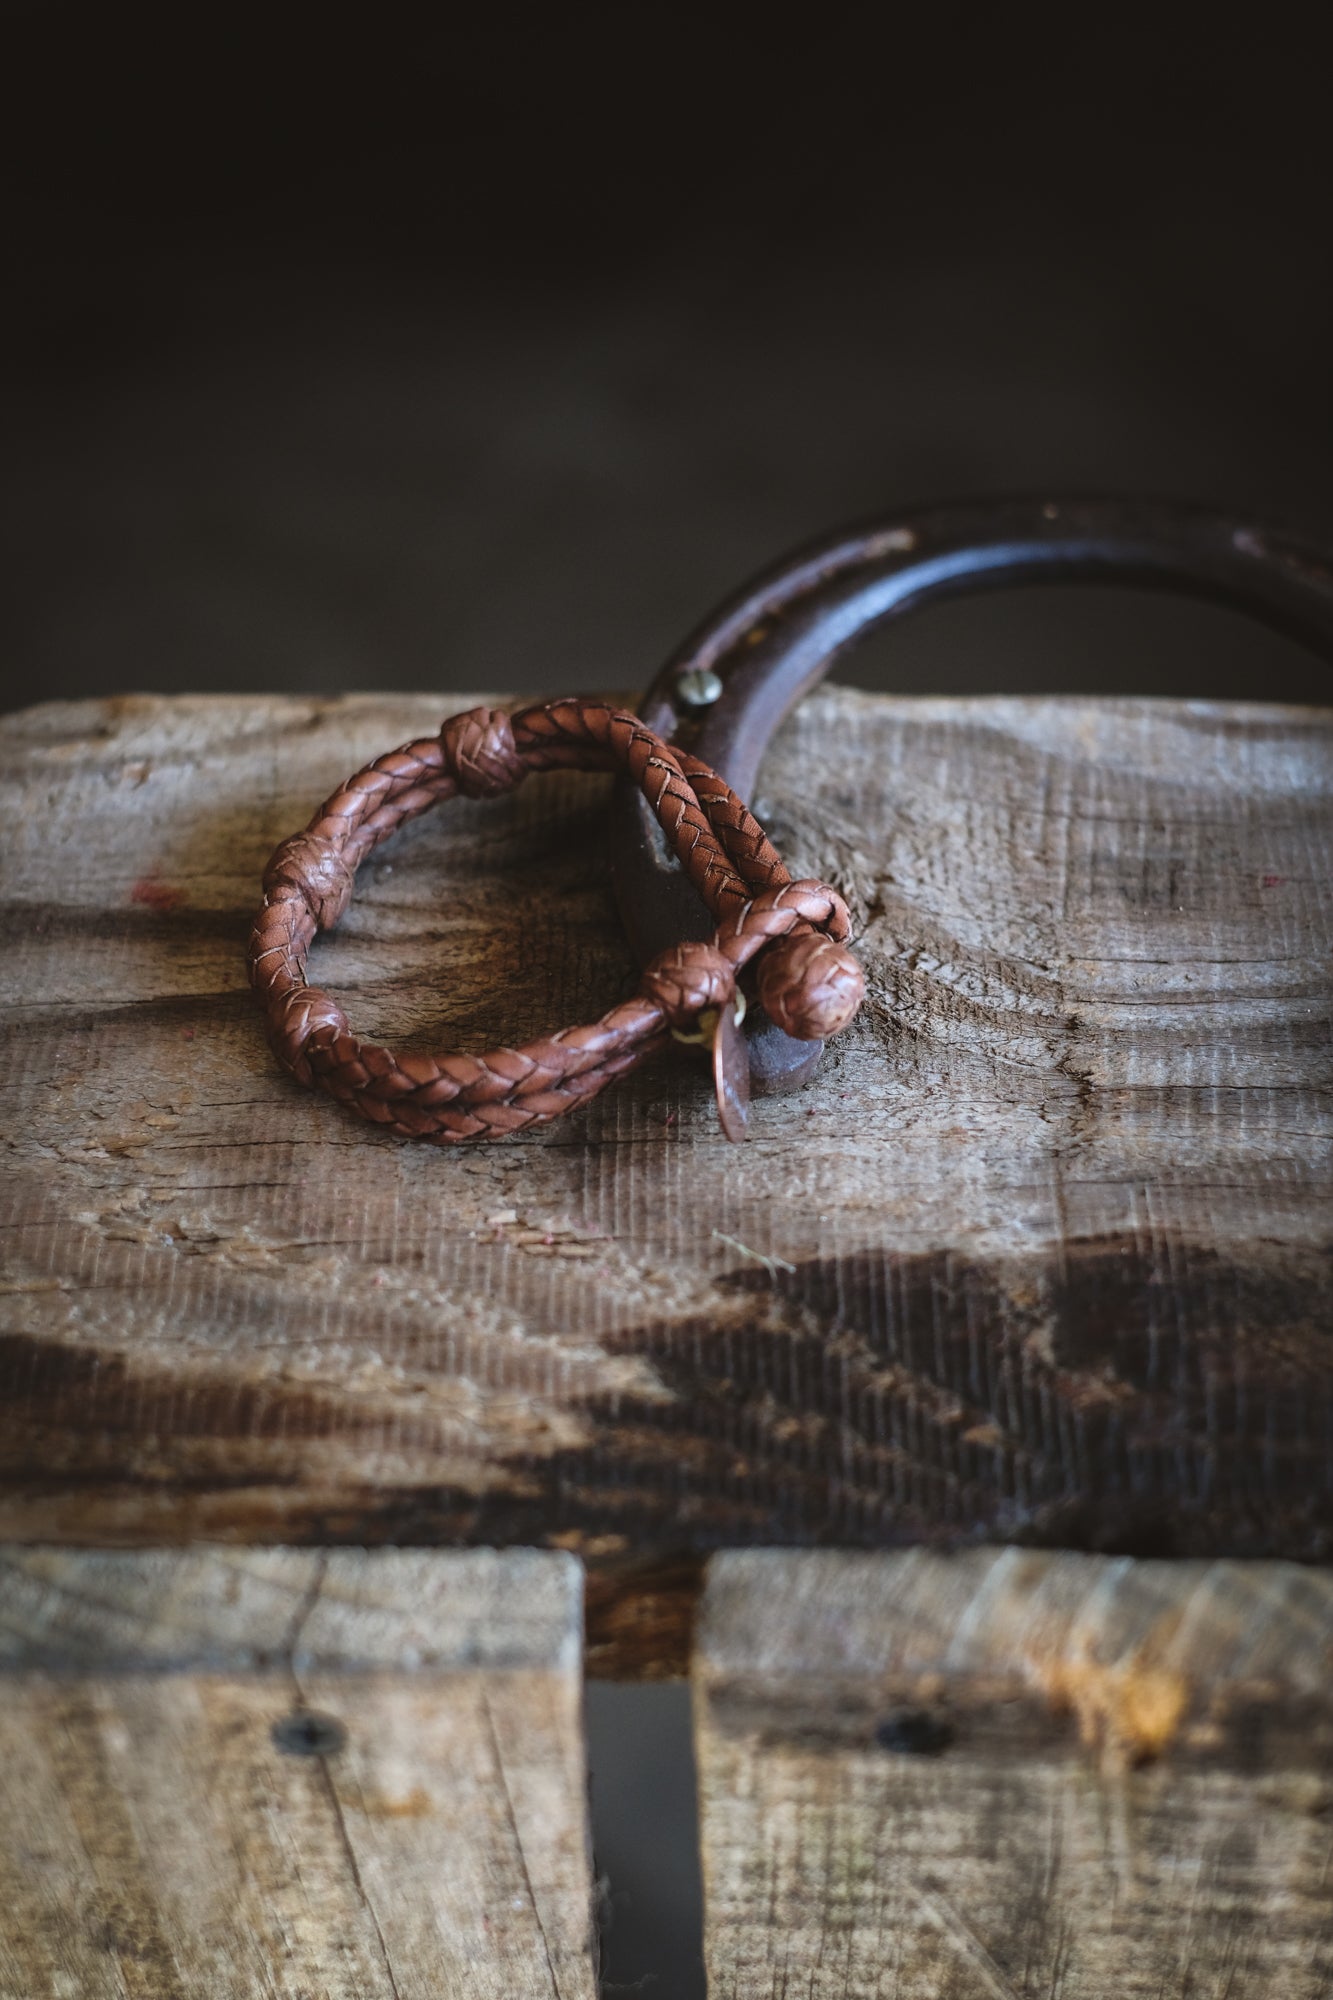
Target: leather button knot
[(480, 751), (808, 981), (687, 979), (810, 985)]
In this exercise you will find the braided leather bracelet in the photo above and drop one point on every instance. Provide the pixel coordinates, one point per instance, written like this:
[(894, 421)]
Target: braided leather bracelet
[(807, 980)]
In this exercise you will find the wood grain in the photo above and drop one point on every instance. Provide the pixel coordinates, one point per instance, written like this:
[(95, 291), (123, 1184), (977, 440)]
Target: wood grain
[(158, 1842), (1042, 1256), (1008, 1773)]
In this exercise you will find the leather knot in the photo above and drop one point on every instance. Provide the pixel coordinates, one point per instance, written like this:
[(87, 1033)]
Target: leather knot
[(313, 865), (304, 1019), (687, 979), (480, 751), (809, 985)]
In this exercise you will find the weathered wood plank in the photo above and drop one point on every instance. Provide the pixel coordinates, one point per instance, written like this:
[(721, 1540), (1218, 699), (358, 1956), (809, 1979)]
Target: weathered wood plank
[(158, 1841), (1043, 1255), (1010, 1773)]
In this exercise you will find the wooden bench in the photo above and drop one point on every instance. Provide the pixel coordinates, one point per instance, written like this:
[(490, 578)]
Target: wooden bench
[(1027, 1298)]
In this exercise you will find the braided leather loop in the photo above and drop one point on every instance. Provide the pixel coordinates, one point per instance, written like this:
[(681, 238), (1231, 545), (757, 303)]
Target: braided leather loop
[(808, 979)]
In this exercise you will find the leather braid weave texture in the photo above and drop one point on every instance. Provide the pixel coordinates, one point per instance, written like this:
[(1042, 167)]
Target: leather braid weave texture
[(807, 979)]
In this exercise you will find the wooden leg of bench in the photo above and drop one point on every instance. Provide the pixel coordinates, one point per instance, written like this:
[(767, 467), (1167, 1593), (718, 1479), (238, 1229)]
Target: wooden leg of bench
[(287, 1773), (1002, 1773)]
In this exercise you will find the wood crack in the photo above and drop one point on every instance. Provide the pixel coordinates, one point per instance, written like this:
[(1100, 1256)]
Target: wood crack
[(512, 1821)]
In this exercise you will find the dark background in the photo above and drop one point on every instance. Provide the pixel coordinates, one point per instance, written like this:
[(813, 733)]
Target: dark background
[(490, 355), (457, 355)]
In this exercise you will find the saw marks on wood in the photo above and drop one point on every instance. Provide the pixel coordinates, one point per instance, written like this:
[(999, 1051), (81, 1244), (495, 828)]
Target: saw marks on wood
[(292, 1774), (1006, 1774), (1043, 1253)]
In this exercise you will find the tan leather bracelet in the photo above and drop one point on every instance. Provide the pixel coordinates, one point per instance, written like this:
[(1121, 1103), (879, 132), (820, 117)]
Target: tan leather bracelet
[(807, 980)]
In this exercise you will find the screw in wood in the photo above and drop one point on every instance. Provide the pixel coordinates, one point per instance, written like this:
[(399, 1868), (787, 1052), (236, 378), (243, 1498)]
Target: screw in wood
[(306, 1733), (914, 1732), (698, 687)]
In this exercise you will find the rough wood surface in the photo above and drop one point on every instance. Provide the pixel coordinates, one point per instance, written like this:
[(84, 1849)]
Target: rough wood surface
[(157, 1843), (1008, 1773), (1043, 1255)]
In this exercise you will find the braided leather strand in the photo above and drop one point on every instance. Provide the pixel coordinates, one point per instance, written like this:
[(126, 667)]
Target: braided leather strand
[(807, 979)]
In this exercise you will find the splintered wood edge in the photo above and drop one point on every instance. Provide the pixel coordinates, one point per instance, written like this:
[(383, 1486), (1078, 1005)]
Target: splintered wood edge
[(226, 1609)]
